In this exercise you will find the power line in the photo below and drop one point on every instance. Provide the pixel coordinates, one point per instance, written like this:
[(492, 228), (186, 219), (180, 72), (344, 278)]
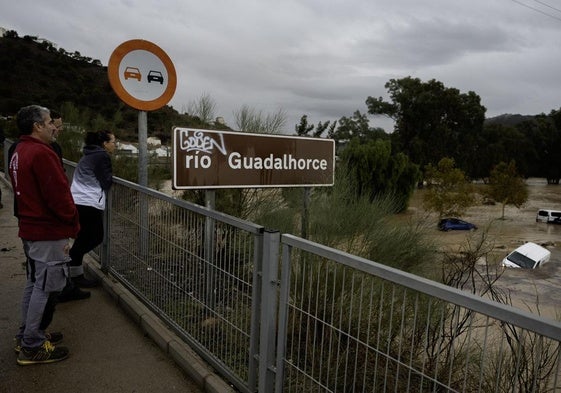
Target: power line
[(537, 9), (547, 5)]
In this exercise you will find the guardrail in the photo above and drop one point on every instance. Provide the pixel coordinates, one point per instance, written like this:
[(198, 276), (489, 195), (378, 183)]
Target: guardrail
[(277, 313), (350, 324)]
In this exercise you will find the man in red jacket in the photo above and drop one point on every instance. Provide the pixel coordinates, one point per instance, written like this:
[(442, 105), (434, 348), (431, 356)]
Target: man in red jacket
[(47, 219)]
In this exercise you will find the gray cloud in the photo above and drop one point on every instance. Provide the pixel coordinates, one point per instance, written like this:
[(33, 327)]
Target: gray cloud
[(316, 57)]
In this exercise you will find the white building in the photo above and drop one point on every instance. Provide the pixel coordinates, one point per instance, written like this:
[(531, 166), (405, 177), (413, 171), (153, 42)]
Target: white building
[(127, 147), (153, 141)]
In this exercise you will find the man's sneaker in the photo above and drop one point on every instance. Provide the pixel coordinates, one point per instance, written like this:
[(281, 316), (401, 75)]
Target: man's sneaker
[(83, 282), (72, 293), (54, 337), (46, 353)]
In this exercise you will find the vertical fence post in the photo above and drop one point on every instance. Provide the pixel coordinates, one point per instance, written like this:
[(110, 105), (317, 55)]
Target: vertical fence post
[(209, 241), (255, 309), (284, 292), (106, 244), (268, 311)]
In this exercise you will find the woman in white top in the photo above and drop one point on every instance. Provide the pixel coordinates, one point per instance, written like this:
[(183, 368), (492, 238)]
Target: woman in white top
[(92, 179)]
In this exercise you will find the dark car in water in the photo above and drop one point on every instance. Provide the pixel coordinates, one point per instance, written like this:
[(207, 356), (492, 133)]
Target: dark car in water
[(455, 224)]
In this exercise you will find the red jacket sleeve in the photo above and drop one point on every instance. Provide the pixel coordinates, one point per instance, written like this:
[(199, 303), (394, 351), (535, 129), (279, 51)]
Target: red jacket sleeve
[(56, 189)]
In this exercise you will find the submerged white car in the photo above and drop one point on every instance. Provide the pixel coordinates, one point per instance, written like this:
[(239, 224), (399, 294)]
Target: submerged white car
[(528, 256)]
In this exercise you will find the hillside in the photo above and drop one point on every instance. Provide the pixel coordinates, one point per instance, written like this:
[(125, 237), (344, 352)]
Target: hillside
[(34, 71), (37, 72)]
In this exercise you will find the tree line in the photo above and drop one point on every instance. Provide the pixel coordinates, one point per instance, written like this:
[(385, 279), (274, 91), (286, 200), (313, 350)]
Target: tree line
[(435, 122)]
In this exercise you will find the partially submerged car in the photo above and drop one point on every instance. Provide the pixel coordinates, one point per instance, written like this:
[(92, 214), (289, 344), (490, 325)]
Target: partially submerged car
[(548, 215), (527, 256), (455, 224)]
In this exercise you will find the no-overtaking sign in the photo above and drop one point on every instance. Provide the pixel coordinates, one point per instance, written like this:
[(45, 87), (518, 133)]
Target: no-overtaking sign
[(142, 75)]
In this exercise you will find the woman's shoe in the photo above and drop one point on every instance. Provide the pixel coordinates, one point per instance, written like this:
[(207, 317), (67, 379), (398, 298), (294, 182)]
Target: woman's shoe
[(83, 282), (72, 292)]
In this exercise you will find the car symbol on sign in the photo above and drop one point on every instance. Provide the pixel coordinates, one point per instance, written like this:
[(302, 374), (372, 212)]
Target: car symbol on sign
[(132, 72), (155, 76)]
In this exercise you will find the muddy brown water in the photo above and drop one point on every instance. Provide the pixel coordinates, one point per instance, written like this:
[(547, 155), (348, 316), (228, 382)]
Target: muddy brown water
[(537, 290)]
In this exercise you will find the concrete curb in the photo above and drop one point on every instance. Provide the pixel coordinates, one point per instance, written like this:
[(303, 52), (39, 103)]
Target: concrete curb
[(192, 364)]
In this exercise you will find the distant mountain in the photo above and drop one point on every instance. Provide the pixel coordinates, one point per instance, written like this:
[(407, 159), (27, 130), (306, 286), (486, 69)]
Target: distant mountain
[(508, 119)]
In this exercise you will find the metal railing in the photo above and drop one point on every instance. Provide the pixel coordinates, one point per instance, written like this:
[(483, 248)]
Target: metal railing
[(277, 313), (194, 267), (351, 325)]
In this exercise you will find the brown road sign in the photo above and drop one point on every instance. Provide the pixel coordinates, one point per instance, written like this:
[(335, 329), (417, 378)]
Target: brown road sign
[(221, 159)]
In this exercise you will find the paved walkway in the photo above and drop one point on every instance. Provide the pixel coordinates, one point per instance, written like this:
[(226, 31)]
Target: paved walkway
[(116, 344)]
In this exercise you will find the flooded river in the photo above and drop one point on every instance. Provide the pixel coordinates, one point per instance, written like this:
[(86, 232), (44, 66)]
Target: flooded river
[(532, 290)]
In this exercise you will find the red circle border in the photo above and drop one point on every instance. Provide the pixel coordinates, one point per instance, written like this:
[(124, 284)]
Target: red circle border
[(113, 74)]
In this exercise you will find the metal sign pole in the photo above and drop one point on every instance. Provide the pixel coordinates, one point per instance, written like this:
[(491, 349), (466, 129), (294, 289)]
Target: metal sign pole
[(305, 223), (143, 148), (143, 181)]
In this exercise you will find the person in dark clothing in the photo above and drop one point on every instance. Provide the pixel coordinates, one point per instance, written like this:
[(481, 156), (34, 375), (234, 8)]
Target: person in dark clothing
[(57, 119), (70, 290), (92, 179)]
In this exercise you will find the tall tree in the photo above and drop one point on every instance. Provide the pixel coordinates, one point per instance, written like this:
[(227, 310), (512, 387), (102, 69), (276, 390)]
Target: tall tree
[(250, 120), (305, 129), (552, 158), (500, 143), (376, 172), (204, 108), (431, 120), (507, 186), (356, 126), (541, 144), (449, 193)]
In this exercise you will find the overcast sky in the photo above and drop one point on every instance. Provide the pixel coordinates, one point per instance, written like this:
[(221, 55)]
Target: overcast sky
[(322, 58)]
